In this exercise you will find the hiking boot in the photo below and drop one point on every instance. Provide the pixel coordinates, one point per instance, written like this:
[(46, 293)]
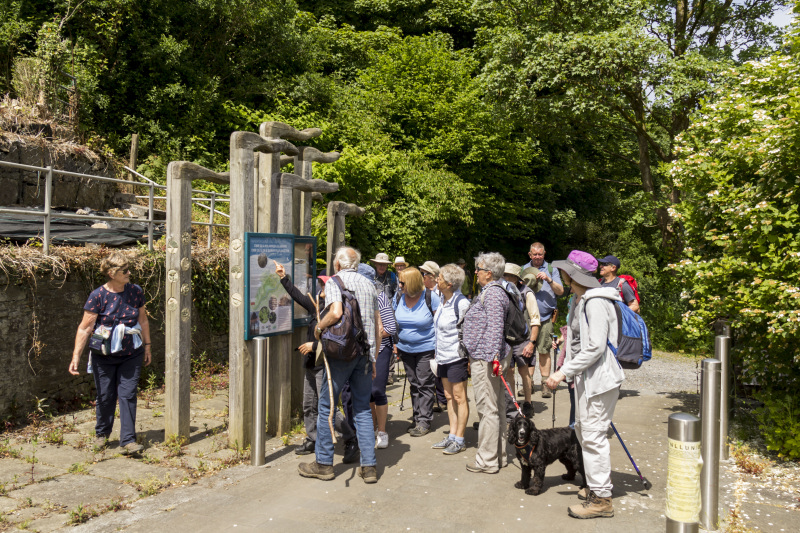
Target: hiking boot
[(314, 469), (454, 447), (546, 391), (593, 507), (306, 448), (351, 451), (442, 444), (131, 448), (100, 442), (583, 493), (419, 431), (382, 440), (474, 467), (527, 409), (412, 427), (368, 473)]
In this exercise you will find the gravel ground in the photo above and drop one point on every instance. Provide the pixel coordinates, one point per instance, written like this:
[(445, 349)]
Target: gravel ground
[(664, 373)]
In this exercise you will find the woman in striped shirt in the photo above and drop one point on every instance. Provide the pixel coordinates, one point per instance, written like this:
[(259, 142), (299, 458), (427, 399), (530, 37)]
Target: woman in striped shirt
[(378, 400)]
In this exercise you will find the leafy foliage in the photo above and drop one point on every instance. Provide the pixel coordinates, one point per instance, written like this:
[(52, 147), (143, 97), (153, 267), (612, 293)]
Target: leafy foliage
[(738, 167)]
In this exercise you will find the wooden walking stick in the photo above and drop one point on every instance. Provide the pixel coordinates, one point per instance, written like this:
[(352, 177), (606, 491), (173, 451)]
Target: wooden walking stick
[(327, 374)]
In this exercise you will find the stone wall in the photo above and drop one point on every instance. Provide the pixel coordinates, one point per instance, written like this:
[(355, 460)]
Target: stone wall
[(37, 334), (26, 188)]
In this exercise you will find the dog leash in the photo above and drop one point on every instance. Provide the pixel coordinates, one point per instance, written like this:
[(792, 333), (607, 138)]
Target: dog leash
[(512, 396)]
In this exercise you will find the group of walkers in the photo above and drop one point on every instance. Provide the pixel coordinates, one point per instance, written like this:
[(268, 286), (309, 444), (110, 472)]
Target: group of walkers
[(444, 325)]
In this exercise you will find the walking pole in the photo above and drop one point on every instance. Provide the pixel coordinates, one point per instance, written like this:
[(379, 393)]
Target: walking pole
[(405, 380), (644, 481), (555, 353), (327, 374)]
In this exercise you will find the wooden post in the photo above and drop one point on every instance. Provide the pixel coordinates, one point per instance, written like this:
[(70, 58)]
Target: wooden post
[(278, 357), (309, 155), (240, 395), (178, 317), (134, 155), (282, 344), (337, 211)]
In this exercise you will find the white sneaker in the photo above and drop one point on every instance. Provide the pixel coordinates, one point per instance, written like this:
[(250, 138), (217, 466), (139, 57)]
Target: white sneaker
[(383, 440)]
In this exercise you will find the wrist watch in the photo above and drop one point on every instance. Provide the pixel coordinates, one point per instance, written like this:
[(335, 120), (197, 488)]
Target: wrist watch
[(319, 330)]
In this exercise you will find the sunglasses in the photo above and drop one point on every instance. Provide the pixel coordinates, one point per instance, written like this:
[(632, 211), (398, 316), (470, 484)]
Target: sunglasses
[(402, 283), (481, 269), (124, 270)]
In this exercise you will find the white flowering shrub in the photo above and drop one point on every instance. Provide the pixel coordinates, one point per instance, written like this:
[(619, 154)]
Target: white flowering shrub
[(738, 166)]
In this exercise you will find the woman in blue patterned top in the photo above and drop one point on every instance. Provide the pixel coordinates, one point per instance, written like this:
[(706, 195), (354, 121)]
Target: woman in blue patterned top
[(115, 311), (416, 344)]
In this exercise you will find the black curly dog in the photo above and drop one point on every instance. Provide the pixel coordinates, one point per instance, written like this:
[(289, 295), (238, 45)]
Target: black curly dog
[(538, 448)]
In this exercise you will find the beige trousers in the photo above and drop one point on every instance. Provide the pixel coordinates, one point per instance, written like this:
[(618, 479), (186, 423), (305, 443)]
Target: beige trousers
[(490, 401)]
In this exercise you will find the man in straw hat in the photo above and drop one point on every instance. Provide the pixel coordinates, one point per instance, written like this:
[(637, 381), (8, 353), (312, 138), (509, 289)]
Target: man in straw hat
[(400, 264), (385, 279), (593, 367)]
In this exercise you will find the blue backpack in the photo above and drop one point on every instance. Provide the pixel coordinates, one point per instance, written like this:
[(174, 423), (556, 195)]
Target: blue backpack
[(634, 342)]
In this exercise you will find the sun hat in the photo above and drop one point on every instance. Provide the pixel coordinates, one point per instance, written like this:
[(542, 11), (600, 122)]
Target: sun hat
[(611, 260), (324, 279), (381, 258), (581, 267), (461, 261), (528, 276), (400, 260), (430, 267), (366, 271), (513, 269)]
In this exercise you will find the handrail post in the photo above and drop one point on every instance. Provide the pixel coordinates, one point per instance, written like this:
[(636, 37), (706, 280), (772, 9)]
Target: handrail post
[(150, 221), (48, 198), (211, 217)]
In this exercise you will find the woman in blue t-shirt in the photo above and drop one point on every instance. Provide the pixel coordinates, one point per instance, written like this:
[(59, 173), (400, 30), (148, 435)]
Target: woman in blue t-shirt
[(416, 345), (115, 316)]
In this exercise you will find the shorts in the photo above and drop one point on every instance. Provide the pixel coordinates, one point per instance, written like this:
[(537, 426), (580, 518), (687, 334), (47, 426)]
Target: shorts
[(517, 359), (455, 372), (544, 342)]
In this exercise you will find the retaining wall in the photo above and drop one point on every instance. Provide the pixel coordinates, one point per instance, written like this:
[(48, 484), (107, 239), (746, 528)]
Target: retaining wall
[(37, 334)]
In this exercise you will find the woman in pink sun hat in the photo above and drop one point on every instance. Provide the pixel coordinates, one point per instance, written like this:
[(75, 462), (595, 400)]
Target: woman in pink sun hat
[(597, 376)]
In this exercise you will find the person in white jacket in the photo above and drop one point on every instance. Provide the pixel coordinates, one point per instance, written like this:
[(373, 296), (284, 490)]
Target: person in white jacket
[(597, 375)]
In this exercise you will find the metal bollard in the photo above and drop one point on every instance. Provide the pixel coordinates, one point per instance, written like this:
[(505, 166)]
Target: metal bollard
[(683, 474), (722, 348), (709, 416), (258, 456)]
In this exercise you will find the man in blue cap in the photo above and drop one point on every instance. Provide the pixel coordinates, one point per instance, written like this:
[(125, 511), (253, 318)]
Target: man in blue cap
[(609, 265)]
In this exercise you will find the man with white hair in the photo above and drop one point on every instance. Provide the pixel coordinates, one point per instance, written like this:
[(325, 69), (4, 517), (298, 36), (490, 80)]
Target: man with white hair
[(359, 372)]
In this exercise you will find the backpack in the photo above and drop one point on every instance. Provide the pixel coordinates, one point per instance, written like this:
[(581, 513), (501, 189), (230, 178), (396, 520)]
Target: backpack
[(633, 347), (515, 327), (346, 340), (632, 282)]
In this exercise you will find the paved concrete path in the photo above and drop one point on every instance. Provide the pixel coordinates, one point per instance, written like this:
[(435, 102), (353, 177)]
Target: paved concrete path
[(419, 489)]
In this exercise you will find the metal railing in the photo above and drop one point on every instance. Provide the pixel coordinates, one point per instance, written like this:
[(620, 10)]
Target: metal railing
[(46, 212), (215, 197)]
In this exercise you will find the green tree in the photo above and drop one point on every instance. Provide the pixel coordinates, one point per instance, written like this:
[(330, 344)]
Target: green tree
[(641, 67)]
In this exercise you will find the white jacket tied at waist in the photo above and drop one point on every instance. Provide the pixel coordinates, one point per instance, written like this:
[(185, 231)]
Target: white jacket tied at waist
[(594, 363)]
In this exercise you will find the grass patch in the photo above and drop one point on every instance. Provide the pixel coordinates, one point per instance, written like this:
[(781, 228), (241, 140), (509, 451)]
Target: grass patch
[(78, 468), (79, 515)]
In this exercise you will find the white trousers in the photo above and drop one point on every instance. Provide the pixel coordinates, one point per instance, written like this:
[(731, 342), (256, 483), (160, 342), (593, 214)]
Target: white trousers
[(592, 419)]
